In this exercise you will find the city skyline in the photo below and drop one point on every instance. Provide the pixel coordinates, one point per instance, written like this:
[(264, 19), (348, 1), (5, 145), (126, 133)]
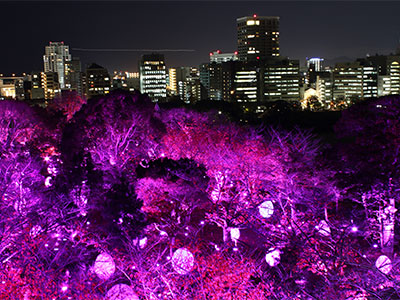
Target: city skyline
[(196, 27)]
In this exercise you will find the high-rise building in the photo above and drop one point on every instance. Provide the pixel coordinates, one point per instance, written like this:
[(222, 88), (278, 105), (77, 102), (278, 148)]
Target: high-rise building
[(51, 85), (324, 87), (354, 81), (98, 81), (315, 63), (219, 57), (388, 67), (37, 88), (55, 57), (258, 37), (281, 80), (73, 76), (153, 76), (247, 83)]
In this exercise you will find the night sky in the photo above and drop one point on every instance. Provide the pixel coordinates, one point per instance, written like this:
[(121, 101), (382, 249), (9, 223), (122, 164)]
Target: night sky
[(326, 29)]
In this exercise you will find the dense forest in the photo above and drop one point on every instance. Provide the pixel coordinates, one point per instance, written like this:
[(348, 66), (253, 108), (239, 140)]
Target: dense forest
[(121, 198)]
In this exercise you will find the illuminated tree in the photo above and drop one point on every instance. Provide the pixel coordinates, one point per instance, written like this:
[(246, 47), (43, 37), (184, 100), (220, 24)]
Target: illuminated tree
[(370, 169), (68, 104)]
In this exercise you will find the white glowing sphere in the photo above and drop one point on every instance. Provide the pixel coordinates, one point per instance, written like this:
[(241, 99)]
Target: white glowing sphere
[(143, 242), (266, 209), (323, 228), (273, 257), (235, 234), (182, 261), (121, 292), (104, 266), (383, 264)]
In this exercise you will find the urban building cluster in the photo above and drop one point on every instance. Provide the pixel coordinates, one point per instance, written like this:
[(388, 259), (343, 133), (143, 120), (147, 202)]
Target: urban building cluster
[(254, 75)]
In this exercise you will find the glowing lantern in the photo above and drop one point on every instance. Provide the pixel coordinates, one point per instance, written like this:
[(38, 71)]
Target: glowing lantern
[(235, 234), (273, 257), (323, 228), (104, 266), (266, 209), (121, 292), (182, 261), (383, 264), (142, 242)]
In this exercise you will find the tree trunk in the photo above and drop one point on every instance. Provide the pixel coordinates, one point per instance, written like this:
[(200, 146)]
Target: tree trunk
[(388, 222)]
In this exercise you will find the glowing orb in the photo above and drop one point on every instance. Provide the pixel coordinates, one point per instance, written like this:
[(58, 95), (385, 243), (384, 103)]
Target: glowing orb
[(273, 258), (235, 234), (266, 209), (142, 242), (182, 261), (383, 264), (323, 228), (121, 292), (104, 266)]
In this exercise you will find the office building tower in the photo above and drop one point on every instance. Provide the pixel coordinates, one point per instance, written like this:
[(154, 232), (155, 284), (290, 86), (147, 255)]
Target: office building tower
[(73, 76), (354, 81), (324, 87), (388, 67), (37, 85), (50, 83), (219, 57), (258, 37), (281, 80), (153, 77), (247, 83), (315, 63), (98, 81), (55, 57)]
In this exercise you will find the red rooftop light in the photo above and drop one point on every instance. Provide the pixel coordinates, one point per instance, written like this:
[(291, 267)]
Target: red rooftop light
[(258, 57), (236, 52), (254, 16), (218, 51), (211, 53)]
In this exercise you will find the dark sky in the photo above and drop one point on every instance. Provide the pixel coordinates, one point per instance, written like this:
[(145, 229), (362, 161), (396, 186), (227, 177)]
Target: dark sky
[(327, 29)]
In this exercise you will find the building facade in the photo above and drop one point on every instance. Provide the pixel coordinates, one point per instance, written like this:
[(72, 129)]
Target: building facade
[(55, 57), (98, 81), (354, 81), (388, 67), (219, 57), (153, 76), (258, 37)]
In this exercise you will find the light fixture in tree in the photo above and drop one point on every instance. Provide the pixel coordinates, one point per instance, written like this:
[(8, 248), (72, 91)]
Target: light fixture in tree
[(182, 261), (121, 292), (323, 228), (104, 266), (384, 264), (235, 234), (273, 257), (266, 209)]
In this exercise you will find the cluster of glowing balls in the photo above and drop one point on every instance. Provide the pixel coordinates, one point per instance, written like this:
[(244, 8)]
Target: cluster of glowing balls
[(121, 292), (182, 261), (384, 264), (323, 228), (273, 257), (104, 266), (266, 209)]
